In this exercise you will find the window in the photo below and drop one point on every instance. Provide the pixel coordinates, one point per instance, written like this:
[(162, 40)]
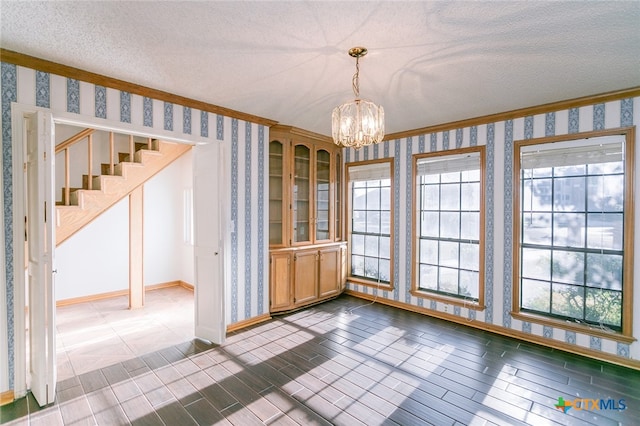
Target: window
[(574, 225), (370, 221), (449, 222)]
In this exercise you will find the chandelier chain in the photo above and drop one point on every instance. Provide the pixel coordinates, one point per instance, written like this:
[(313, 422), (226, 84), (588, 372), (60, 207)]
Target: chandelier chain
[(355, 81)]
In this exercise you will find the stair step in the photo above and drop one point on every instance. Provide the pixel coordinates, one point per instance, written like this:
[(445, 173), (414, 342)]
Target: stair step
[(95, 182), (71, 191), (106, 170)]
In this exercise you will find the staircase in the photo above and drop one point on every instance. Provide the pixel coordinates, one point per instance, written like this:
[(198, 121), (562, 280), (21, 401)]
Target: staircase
[(79, 206)]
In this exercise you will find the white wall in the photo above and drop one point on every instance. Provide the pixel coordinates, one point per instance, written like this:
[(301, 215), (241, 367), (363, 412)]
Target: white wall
[(166, 255), (96, 259)]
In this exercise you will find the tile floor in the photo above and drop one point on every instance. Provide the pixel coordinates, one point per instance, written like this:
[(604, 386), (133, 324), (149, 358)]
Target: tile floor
[(329, 364)]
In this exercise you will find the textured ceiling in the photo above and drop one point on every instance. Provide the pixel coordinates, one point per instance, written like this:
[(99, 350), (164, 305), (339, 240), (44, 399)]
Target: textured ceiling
[(428, 63)]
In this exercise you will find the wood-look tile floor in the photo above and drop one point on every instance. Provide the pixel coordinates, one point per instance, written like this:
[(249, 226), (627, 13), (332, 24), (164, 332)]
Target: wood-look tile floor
[(328, 364)]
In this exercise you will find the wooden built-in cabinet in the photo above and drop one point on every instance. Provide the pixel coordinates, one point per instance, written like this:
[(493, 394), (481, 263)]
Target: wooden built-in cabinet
[(305, 218)]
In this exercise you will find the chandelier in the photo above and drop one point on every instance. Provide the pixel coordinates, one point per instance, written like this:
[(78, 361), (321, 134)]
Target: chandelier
[(360, 122)]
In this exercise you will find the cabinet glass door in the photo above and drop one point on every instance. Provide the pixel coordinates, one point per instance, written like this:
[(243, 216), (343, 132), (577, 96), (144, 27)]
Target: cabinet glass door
[(276, 187), (323, 181), (301, 193)]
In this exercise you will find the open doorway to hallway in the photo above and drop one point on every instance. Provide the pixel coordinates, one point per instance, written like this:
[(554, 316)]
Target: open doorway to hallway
[(137, 253)]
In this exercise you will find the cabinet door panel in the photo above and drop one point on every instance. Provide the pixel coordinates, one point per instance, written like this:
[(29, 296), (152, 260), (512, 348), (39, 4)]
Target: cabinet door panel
[(323, 194), (329, 271), (277, 194), (302, 196), (306, 275), (280, 281)]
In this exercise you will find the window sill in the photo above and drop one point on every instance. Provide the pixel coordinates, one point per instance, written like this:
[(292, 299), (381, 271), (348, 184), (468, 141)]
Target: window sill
[(469, 304), (370, 283), (579, 328)]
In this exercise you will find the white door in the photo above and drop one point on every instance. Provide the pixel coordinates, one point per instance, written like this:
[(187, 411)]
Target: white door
[(41, 245), (207, 213)]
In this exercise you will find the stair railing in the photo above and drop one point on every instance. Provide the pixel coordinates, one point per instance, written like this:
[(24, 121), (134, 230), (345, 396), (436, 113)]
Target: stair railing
[(88, 134), (65, 145)]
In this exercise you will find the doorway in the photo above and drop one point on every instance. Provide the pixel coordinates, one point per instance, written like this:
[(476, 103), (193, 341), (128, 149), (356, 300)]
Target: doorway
[(208, 266)]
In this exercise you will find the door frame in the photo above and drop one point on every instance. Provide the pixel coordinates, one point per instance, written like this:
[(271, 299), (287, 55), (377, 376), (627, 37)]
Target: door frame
[(18, 187)]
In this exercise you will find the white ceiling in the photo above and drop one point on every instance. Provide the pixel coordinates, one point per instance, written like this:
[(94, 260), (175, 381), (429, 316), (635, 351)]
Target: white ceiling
[(429, 62)]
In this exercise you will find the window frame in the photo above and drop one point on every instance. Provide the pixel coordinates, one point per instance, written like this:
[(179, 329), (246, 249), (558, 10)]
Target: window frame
[(349, 222), (626, 333), (415, 258)]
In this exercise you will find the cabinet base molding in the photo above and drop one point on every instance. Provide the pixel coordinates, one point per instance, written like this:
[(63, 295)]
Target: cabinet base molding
[(248, 322), (6, 397), (539, 340), (299, 308)]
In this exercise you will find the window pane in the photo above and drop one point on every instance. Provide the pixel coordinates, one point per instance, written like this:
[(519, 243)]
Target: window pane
[(429, 277), (568, 229), (568, 194), (371, 267), (535, 295), (470, 196), (536, 228), (373, 222), (450, 177), (371, 245), (449, 254), (385, 248), (448, 280), (538, 194), (469, 284), (385, 198), (430, 197), (469, 256), (357, 244), (570, 170), (542, 171), (385, 223), (429, 251), (470, 226), (604, 271), (536, 263), (606, 168), (606, 193), (471, 175), (430, 226), (604, 306), (359, 198), (359, 218), (567, 300), (450, 197), (605, 231), (385, 270), (568, 267), (357, 265), (450, 226), (373, 199)]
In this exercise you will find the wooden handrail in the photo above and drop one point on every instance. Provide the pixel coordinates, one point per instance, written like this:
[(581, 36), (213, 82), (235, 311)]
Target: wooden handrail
[(73, 139)]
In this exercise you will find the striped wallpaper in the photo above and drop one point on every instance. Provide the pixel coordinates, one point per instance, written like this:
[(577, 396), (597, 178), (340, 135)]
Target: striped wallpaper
[(246, 245), (498, 138)]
